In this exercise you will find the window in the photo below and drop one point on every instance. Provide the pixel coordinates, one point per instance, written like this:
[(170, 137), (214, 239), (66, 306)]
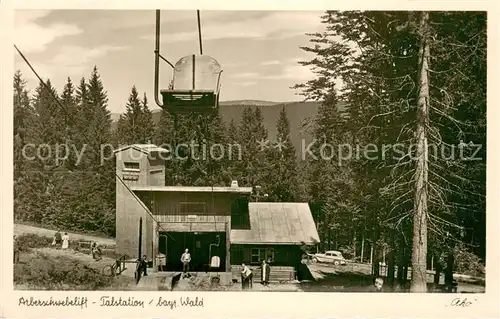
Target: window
[(240, 218), (260, 254), (131, 166), (192, 208), (237, 256), (255, 255)]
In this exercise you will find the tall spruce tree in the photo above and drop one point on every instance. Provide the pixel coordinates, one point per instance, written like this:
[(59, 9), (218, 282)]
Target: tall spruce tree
[(254, 166), (283, 163), (99, 126), (147, 122), (380, 58), (130, 129)]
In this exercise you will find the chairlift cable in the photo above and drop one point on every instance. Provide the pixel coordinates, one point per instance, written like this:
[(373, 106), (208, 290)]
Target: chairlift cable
[(68, 116)]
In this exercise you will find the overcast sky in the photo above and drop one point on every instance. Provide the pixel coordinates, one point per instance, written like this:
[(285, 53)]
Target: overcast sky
[(258, 50)]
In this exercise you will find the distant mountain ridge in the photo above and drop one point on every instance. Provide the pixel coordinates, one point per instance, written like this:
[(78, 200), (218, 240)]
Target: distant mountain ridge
[(300, 115)]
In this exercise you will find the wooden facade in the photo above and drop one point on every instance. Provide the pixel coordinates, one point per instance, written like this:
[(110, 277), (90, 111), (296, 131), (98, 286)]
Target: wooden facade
[(277, 255), (136, 165), (168, 210), (202, 219)]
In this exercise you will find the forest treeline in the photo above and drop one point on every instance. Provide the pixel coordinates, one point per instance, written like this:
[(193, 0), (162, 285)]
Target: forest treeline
[(413, 79)]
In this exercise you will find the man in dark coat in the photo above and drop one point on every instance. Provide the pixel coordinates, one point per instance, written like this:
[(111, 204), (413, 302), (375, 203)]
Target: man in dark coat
[(144, 265), (58, 238), (265, 271)]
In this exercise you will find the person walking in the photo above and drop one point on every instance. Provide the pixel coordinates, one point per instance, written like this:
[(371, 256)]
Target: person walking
[(65, 241), (185, 259)]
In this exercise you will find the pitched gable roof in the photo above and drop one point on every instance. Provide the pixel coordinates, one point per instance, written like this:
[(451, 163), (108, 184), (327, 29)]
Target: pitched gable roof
[(278, 223), (144, 148)]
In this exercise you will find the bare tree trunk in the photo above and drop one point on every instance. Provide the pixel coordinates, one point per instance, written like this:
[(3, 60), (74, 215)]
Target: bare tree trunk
[(329, 239), (419, 252), (437, 275), (391, 260), (362, 246), (376, 263), (354, 245), (448, 274), (371, 254), (401, 265)]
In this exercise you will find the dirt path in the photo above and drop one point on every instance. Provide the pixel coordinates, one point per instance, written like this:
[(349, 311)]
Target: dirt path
[(85, 259), (20, 229)]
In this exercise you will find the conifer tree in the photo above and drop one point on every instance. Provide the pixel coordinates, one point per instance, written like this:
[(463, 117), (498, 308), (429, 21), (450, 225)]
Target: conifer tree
[(69, 102), (255, 148), (147, 121), (99, 127), (283, 164), (130, 127), (22, 115), (380, 60)]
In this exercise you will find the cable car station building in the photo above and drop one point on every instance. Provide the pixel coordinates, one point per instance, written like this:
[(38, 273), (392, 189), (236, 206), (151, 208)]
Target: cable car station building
[(214, 223), (209, 221)]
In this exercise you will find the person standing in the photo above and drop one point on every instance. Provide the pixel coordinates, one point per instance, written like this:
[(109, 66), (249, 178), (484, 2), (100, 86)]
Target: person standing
[(265, 272), (185, 259), (144, 265), (57, 239), (96, 251), (65, 241), (246, 277), (16, 250)]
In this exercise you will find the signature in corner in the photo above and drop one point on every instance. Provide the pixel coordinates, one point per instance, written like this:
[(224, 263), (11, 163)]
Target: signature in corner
[(459, 302)]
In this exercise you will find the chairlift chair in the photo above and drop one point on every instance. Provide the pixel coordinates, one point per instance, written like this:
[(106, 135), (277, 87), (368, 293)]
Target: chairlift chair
[(214, 260), (195, 85), (196, 81)]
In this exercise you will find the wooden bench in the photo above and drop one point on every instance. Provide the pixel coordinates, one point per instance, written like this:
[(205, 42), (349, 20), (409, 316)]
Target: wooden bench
[(85, 246), (278, 273)]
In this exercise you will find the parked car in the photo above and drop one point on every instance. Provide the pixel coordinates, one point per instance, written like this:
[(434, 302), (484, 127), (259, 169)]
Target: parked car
[(331, 256)]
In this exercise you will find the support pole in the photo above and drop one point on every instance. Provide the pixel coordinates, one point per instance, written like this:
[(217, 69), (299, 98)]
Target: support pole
[(140, 238), (199, 31)]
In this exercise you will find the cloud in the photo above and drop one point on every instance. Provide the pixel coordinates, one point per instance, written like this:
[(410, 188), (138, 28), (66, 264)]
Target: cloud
[(69, 61), (276, 25), (292, 72), (247, 83), (270, 62), (246, 75), (75, 59), (33, 37)]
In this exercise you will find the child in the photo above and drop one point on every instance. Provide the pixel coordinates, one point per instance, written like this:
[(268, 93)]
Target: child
[(378, 283)]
